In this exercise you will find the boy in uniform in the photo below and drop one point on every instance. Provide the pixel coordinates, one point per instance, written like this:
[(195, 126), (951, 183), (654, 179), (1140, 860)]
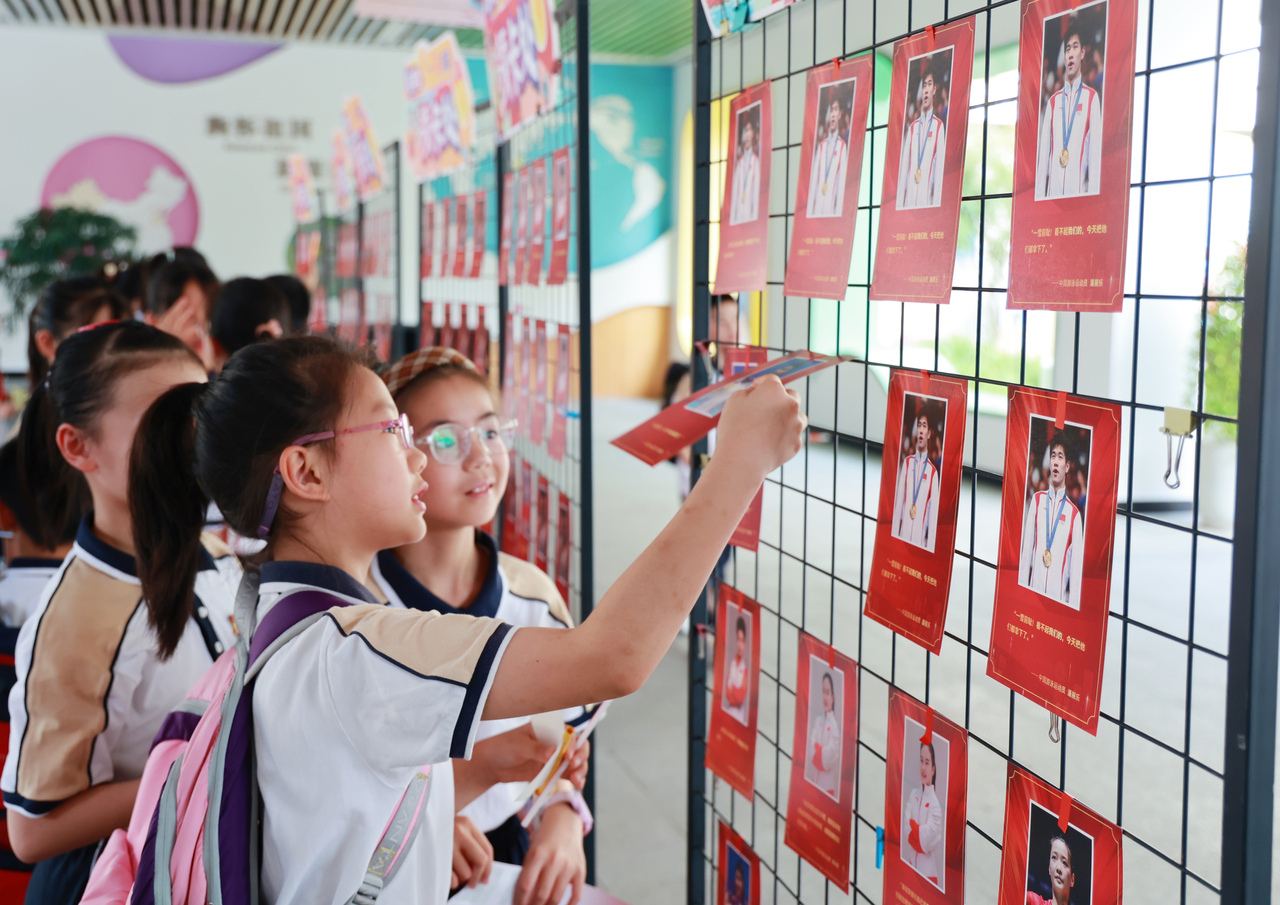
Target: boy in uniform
[(1069, 152), (1052, 560)]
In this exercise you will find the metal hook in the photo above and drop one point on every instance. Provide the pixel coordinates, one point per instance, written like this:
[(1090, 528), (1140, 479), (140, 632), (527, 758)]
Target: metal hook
[(1055, 728)]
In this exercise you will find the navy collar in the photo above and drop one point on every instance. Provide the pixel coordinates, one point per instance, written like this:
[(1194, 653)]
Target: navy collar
[(317, 575), (414, 594), (118, 559), (34, 562)]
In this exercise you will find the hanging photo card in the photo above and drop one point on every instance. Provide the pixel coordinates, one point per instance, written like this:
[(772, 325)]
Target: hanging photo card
[(560, 402), (480, 342), (524, 190), (731, 733), (537, 221), (539, 414), (926, 790), (692, 418), (525, 412), (744, 215), (1057, 534), (837, 98), (544, 523), (824, 760), (427, 336), (738, 875), (366, 155), (920, 469), (747, 535), (1055, 849), (351, 321), (448, 331), (383, 303), (504, 227), (441, 126), (928, 125), (462, 335), (448, 234), (522, 47), (1072, 152), (479, 233), (558, 268), (302, 190), (461, 239), (340, 171), (426, 258), (564, 535)]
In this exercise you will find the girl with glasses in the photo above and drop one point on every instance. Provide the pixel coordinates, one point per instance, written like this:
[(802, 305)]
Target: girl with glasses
[(297, 437)]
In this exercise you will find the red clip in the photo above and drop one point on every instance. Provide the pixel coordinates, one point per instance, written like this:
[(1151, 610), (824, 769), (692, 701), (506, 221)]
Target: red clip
[(927, 738), (831, 656), (933, 40), (924, 381), (703, 346), (1060, 419), (1064, 811)]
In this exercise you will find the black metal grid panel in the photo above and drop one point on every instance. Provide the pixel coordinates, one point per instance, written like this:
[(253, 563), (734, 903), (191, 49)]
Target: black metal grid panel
[(1156, 766), (380, 242)]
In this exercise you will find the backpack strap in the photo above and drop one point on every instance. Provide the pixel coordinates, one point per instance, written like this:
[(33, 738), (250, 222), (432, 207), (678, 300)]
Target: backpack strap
[(290, 616), (395, 839)]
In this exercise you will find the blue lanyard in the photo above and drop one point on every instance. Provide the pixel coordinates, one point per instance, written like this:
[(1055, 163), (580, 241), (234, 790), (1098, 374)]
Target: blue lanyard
[(924, 138), (920, 473), (1052, 530), (1075, 106), (831, 156)]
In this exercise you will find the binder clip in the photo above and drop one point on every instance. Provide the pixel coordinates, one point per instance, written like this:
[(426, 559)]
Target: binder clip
[(1178, 423), (1055, 728)]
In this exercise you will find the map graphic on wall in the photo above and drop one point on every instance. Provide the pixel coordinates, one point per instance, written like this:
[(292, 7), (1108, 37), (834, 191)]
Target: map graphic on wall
[(131, 180)]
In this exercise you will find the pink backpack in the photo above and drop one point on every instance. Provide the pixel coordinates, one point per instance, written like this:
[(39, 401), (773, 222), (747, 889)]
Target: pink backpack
[(178, 850)]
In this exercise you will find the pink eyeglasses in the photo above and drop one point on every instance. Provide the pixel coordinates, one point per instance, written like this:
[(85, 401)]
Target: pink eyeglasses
[(399, 426)]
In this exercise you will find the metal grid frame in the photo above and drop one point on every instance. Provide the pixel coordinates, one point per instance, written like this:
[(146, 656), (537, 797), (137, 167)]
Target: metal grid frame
[(803, 586)]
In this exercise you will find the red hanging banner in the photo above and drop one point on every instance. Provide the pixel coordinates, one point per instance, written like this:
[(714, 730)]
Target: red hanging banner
[(558, 269), (504, 227), (742, 264), (539, 413), (479, 233), (525, 188), (524, 413), (738, 874), (544, 523), (560, 403), (564, 547), (537, 221), (428, 240), (736, 360), (461, 241)]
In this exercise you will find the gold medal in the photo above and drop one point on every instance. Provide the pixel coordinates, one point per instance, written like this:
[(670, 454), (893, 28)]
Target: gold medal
[(824, 188), (913, 510), (1064, 157), (917, 174), (1048, 558)]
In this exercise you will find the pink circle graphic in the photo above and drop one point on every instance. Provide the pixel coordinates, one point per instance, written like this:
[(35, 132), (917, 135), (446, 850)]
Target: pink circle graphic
[(131, 180)]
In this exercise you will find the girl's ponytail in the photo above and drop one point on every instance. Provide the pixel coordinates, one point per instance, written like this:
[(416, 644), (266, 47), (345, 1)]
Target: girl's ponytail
[(168, 510), (53, 492)]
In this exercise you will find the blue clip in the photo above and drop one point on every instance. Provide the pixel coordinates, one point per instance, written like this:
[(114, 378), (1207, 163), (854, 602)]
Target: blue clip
[(738, 16), (879, 847)]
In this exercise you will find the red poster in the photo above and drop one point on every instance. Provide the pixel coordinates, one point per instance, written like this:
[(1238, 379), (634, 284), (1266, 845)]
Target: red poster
[(560, 404), (427, 339), (544, 523), (692, 418), (446, 245), (510, 500), (351, 323), (504, 227), (463, 335), (538, 415), (919, 497), (564, 535), (1055, 849), (738, 873), (731, 735), (480, 342), (747, 535), (1057, 532), (558, 269), (318, 322), (524, 414), (1072, 155), (382, 326), (742, 265), (524, 527), (820, 804), (480, 233), (537, 221), (447, 332), (427, 260), (508, 338), (926, 790), (837, 99), (348, 249), (460, 242), (523, 189), (920, 213)]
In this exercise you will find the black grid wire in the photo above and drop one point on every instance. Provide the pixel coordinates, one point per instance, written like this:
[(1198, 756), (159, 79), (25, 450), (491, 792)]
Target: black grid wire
[(380, 229), (1156, 765)]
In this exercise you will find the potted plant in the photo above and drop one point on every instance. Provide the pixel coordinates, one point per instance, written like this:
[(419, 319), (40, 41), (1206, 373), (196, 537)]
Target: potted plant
[(1222, 334)]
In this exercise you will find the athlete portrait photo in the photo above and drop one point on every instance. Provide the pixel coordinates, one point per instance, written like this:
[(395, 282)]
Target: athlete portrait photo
[(1058, 863), (826, 708), (737, 664), (744, 204), (921, 162), (560, 204), (1069, 147), (1051, 561), (738, 877), (830, 167), (924, 801), (917, 488)]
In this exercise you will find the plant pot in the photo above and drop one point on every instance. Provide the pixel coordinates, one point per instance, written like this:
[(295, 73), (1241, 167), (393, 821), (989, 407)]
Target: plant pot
[(1217, 482)]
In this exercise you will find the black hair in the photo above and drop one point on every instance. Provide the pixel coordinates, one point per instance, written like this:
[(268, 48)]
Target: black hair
[(676, 372), (80, 387), (933, 759), (170, 275), (1063, 439), (1074, 29), (130, 281), (12, 481), (244, 305), (718, 300), (827, 677), (266, 396), (741, 625), (1071, 856), (64, 307), (299, 297)]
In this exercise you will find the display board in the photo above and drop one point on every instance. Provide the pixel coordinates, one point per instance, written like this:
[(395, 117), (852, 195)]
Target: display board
[(1153, 764)]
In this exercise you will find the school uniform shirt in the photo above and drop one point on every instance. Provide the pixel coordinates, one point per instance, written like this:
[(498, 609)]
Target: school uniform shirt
[(91, 692), (824, 732), (21, 585), (1059, 578), (826, 177), (925, 149), (917, 485), (1080, 134), (344, 715), (922, 807), (745, 203), (514, 591)]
